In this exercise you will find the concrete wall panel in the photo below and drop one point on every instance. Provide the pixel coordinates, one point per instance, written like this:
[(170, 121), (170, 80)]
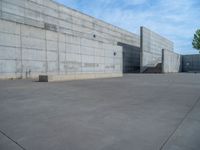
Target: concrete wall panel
[(151, 48), (30, 5), (32, 54), (52, 56), (52, 45), (53, 67), (29, 31), (9, 53), (9, 40), (33, 67), (47, 38), (12, 17), (9, 27), (76, 21), (12, 9), (20, 3), (33, 43), (7, 66), (171, 62)]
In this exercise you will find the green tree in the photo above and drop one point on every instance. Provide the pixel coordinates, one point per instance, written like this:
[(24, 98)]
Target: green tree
[(196, 40)]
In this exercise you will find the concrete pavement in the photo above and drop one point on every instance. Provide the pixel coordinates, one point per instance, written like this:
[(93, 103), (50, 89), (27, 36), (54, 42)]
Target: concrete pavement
[(136, 112)]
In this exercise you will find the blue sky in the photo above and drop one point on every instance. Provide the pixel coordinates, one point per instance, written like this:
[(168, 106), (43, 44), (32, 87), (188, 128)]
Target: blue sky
[(174, 19)]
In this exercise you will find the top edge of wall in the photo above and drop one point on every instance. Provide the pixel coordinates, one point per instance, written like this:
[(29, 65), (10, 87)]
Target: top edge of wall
[(129, 32), (142, 27), (190, 54)]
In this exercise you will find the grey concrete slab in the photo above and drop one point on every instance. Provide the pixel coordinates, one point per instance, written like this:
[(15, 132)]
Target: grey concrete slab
[(33, 27), (136, 112), (171, 62), (187, 135), (151, 45), (7, 144)]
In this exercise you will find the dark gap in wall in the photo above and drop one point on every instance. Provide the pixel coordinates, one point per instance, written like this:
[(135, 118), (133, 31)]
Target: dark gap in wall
[(131, 58), (191, 63)]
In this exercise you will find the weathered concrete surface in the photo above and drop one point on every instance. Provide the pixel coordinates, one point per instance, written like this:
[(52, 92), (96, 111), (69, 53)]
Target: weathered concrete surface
[(33, 51), (44, 37), (136, 112), (151, 45), (187, 135), (7, 144), (171, 62)]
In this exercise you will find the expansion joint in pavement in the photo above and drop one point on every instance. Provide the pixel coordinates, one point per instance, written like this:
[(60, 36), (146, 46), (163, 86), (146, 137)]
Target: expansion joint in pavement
[(180, 123), (4, 134)]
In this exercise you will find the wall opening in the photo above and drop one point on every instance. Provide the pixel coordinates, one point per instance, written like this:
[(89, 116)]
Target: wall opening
[(131, 58)]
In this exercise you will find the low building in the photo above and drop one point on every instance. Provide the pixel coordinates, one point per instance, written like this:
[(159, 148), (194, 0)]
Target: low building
[(46, 38)]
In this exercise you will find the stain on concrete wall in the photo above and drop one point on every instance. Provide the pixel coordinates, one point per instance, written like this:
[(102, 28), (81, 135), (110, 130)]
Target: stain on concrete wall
[(44, 37), (32, 51)]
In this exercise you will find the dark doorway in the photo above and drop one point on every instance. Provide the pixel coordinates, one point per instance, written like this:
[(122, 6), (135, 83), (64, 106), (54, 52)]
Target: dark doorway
[(191, 63), (131, 58)]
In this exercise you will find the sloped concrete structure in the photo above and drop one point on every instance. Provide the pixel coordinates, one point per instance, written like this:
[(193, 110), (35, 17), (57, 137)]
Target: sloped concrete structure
[(44, 37)]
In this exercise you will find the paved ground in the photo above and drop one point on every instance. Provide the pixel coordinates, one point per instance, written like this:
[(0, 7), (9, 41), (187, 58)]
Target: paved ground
[(136, 112)]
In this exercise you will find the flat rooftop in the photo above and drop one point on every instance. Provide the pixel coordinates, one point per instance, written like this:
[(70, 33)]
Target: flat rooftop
[(136, 112)]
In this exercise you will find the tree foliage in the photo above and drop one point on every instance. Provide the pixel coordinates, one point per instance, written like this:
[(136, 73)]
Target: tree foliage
[(196, 40)]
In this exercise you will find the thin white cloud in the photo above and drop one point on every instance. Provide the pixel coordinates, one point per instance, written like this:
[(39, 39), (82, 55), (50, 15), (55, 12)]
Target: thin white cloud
[(135, 2)]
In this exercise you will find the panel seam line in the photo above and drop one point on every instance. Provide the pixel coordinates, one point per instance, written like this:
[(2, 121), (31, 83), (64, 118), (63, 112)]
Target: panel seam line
[(3, 133), (180, 123)]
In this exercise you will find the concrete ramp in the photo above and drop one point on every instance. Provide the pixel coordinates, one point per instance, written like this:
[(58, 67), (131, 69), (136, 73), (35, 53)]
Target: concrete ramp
[(156, 69)]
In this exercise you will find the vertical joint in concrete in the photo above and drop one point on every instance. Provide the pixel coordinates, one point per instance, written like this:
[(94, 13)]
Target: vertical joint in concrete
[(163, 59), (46, 62), (58, 52), (141, 49), (0, 8), (21, 57)]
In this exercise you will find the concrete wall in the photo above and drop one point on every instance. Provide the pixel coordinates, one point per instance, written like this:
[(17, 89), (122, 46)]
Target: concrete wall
[(44, 37), (151, 48), (131, 58), (191, 63), (171, 62)]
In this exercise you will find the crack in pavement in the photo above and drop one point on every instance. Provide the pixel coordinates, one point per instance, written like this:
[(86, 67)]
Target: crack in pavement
[(180, 123), (3, 133)]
